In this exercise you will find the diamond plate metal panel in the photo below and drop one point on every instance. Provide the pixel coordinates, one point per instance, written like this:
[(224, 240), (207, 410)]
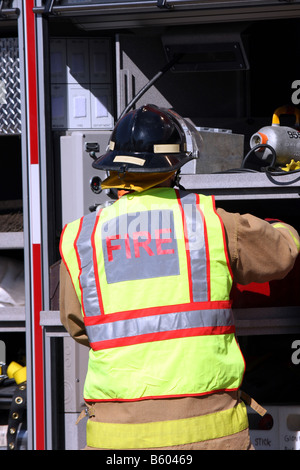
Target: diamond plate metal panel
[(10, 100)]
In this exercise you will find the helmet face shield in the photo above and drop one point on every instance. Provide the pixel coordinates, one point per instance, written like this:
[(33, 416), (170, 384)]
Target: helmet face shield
[(148, 140)]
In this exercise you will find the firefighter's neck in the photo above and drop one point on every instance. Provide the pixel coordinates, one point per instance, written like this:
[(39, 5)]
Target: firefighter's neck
[(165, 184)]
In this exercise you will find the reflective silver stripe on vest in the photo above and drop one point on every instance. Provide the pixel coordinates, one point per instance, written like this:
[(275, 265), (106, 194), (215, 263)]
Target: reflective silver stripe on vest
[(87, 277), (197, 248), (160, 323)]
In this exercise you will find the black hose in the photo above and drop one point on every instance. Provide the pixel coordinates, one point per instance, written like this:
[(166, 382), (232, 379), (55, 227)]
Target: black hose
[(150, 83)]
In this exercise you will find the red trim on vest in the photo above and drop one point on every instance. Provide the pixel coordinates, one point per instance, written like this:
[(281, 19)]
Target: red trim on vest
[(61, 251), (62, 256), (145, 312), (96, 271), (187, 249), (79, 264), (162, 335), (160, 397)]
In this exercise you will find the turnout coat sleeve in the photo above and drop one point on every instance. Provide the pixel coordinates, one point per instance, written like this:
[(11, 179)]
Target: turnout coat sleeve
[(70, 310), (258, 252)]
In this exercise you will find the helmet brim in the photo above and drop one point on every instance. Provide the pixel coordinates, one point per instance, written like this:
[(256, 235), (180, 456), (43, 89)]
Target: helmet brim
[(141, 162)]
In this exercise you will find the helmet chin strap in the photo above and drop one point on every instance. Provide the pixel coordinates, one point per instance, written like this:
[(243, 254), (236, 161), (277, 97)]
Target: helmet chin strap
[(176, 181)]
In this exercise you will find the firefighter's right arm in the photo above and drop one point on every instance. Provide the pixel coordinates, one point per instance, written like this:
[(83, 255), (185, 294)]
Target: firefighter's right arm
[(70, 310), (259, 251)]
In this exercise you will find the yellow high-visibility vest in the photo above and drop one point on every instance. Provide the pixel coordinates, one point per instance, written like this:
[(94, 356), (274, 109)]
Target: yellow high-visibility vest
[(152, 275)]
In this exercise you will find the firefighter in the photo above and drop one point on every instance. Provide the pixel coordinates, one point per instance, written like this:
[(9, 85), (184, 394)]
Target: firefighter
[(145, 283)]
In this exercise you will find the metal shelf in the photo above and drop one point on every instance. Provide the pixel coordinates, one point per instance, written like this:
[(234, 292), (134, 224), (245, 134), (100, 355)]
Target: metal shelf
[(50, 321), (11, 240), (244, 185), (12, 319), (267, 321)]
